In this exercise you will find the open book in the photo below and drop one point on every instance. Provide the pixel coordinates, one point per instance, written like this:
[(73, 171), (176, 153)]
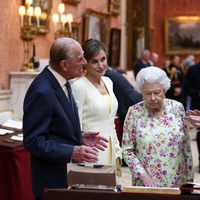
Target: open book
[(12, 125), (5, 131)]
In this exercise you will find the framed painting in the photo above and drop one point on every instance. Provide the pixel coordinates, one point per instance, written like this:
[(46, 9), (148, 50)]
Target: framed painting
[(114, 50), (97, 26), (46, 6), (182, 35), (114, 7), (77, 31)]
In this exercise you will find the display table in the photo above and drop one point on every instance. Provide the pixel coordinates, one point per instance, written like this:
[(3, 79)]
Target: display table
[(63, 194), (15, 176)]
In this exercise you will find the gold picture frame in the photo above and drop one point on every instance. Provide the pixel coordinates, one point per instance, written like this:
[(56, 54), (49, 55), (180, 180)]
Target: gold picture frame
[(77, 31), (114, 7), (182, 35), (114, 50), (46, 6), (97, 26)]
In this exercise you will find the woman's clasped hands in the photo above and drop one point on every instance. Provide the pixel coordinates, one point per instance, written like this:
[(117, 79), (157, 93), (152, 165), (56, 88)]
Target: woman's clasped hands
[(147, 181)]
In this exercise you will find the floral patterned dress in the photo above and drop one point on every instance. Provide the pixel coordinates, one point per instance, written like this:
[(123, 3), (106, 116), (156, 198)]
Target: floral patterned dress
[(158, 144)]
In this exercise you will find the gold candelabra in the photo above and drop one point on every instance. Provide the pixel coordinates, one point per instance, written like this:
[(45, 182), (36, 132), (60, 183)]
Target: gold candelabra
[(61, 20), (28, 32)]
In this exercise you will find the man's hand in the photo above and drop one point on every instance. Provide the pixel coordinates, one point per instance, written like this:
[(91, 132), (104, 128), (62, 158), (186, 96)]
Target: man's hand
[(147, 181), (193, 112), (193, 117), (94, 139), (85, 154)]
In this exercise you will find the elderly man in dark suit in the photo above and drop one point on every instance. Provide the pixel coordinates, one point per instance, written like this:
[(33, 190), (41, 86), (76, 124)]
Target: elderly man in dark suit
[(51, 125)]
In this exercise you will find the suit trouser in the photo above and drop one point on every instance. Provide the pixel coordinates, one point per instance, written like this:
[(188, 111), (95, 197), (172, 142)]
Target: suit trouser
[(198, 143), (37, 198), (195, 104)]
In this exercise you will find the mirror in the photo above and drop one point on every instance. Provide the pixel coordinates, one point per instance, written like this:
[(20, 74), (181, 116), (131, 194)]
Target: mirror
[(44, 20)]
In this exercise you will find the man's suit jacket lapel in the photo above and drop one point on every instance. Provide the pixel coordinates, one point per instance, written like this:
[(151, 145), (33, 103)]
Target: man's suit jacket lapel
[(65, 102)]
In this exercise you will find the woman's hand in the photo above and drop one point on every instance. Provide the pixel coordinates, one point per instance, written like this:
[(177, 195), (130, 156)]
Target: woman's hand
[(147, 181), (94, 139)]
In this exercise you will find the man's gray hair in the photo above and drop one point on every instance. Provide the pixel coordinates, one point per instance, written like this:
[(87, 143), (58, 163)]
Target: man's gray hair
[(61, 49), (146, 52), (152, 75)]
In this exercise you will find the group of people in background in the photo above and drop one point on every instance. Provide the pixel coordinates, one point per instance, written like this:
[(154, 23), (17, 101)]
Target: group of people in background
[(179, 74), (146, 59), (78, 98)]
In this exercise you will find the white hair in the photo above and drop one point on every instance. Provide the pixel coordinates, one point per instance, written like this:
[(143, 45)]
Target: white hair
[(189, 60), (145, 52), (152, 75)]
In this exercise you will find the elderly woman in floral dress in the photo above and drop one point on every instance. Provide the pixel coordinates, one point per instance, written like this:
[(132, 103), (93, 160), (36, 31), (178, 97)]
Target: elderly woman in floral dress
[(155, 145)]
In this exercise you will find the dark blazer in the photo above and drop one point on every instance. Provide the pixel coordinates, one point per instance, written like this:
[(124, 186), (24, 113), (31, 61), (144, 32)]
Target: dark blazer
[(192, 85), (139, 64), (51, 130), (125, 93)]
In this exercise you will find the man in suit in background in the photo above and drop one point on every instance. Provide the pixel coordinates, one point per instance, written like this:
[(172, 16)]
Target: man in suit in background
[(125, 93), (126, 96), (175, 73), (154, 59), (51, 125), (143, 62), (192, 88)]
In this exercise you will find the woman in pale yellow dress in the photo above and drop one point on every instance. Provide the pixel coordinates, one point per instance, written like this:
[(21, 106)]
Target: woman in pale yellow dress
[(96, 101)]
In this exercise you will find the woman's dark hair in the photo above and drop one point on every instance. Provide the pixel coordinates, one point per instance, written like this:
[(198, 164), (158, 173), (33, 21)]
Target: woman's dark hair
[(92, 47)]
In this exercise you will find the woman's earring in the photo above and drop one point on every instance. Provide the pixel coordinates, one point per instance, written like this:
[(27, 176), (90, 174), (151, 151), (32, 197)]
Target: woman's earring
[(84, 71)]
